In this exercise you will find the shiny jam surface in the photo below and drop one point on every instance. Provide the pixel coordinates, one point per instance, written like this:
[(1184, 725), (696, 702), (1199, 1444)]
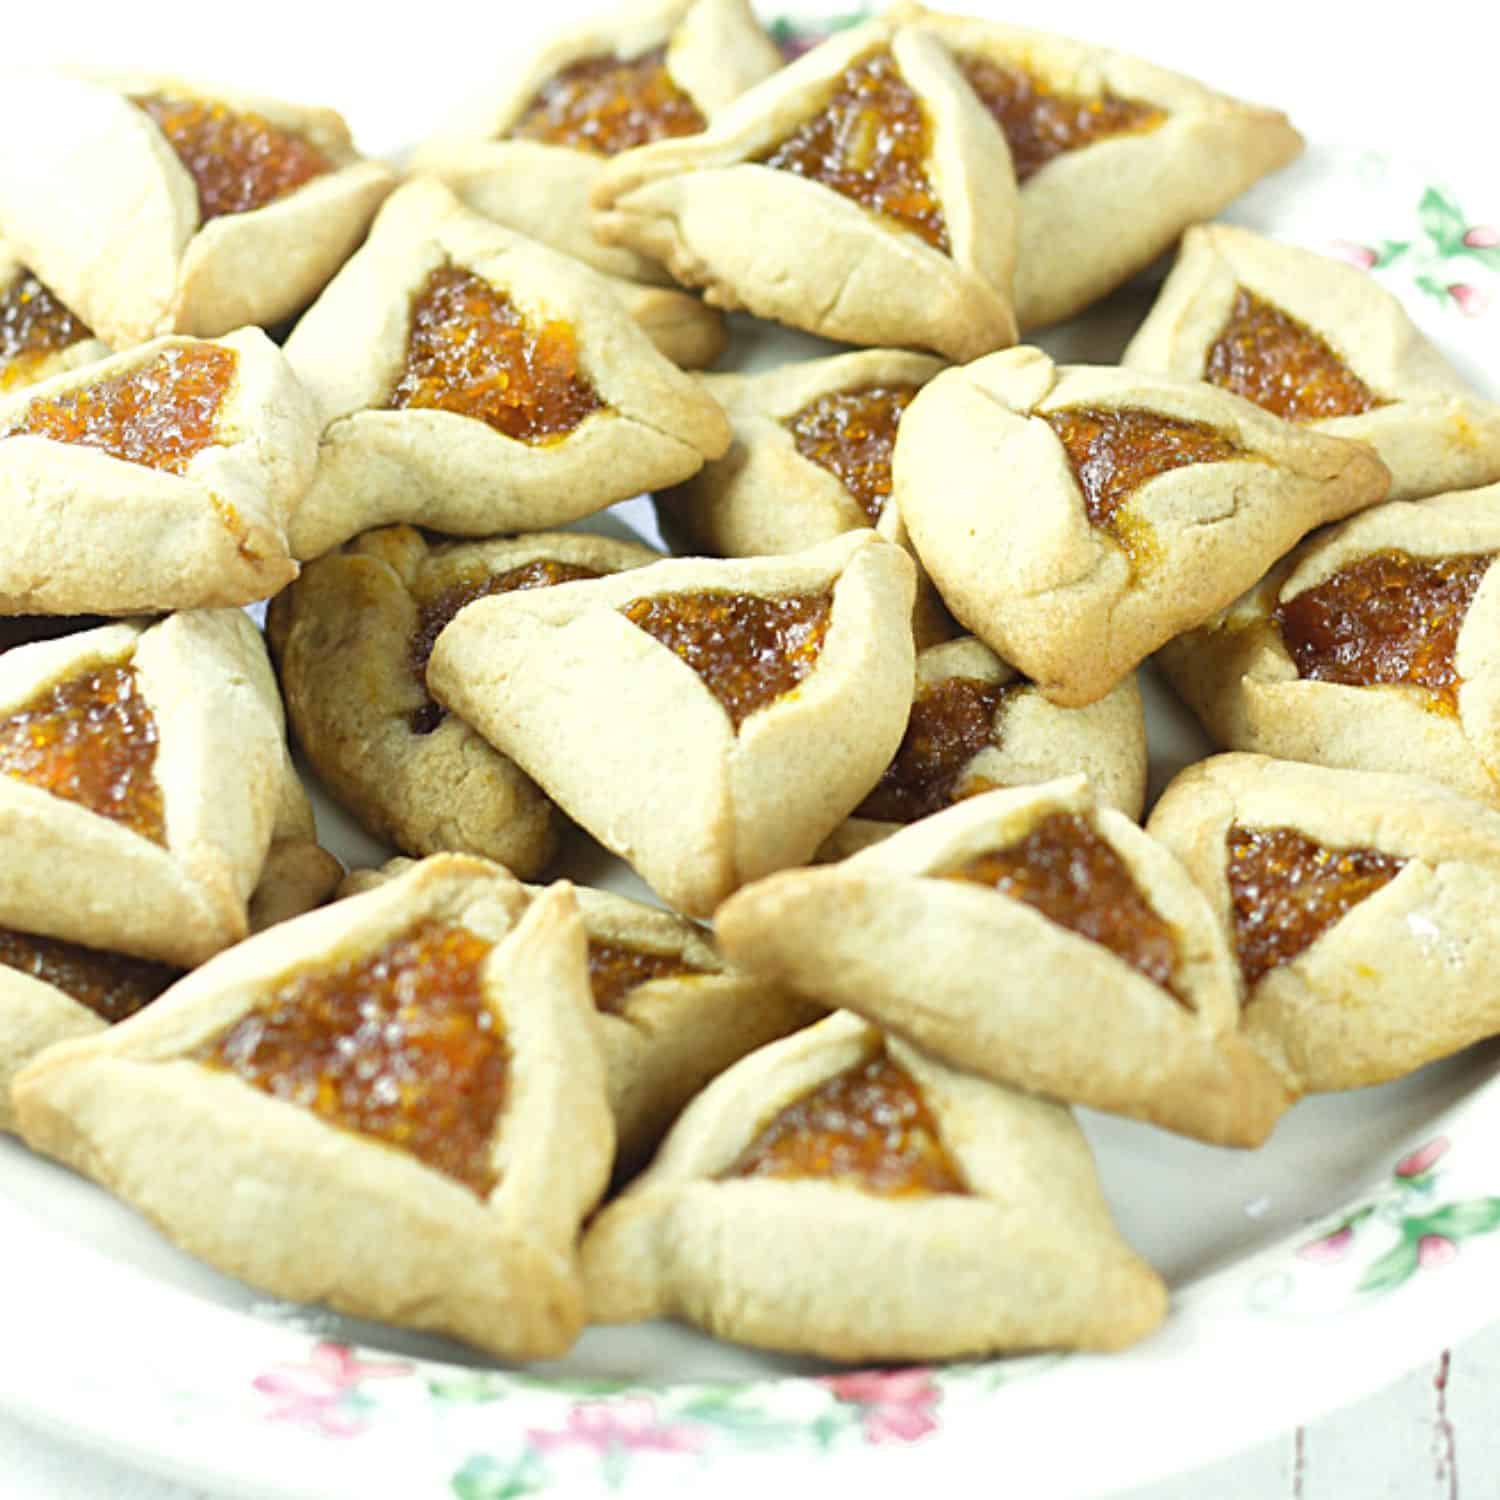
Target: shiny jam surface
[(1069, 873), (237, 159), (1041, 122), (33, 325), (1388, 618), (436, 614), (1270, 358), (749, 651), (618, 969), (610, 104), (951, 722), (851, 434), (871, 142), (90, 740), (398, 1044), (1286, 891), (159, 414), (867, 1128), (112, 985), (471, 352)]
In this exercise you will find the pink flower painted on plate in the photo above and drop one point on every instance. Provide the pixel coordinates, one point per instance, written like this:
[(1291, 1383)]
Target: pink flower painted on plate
[(898, 1405), (321, 1394), (1434, 1250), (1482, 237), (1472, 302), (1355, 254), (1424, 1158), (607, 1427), (1329, 1250)]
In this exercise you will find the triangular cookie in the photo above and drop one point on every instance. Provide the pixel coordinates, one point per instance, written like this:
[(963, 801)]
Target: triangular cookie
[(528, 149), (1322, 344), (351, 639), (1115, 156), (471, 381), (153, 205), (39, 337), (143, 778), (161, 478), (1077, 517), (1371, 647), (977, 725), (1035, 938), (394, 1106), (707, 721), (843, 1195), (870, 148), (1336, 884)]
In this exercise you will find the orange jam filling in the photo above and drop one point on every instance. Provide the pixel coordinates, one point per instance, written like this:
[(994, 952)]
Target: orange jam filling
[(749, 651), (1268, 357), (159, 414), (90, 740), (111, 985), (1286, 891), (34, 325), (436, 614), (1041, 122), (867, 1128), (609, 104), (471, 352), (851, 434), (871, 142), (238, 160), (1388, 618), (951, 722), (1114, 451), (1070, 874), (399, 1045), (616, 970)]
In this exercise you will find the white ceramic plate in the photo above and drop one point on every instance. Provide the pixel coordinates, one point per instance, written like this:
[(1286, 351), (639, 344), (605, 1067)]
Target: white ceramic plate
[(1357, 1242)]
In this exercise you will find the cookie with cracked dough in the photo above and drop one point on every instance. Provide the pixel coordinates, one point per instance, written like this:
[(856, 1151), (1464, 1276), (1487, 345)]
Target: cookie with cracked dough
[(39, 336), (870, 147), (351, 640), (1037, 939), (155, 205), (1375, 646), (527, 150), (145, 785), (672, 1014), (1322, 344), (1359, 907), (977, 725), (839, 1171), (1111, 510), (709, 722), (1114, 156), (250, 1112), (162, 478), (470, 380)]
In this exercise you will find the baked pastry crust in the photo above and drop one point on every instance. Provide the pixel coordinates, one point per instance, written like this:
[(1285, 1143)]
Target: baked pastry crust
[(1018, 560), (740, 230), (102, 209), (342, 636), (798, 1265), (455, 473), (221, 763), (1093, 217), (923, 957), (672, 1034), (1033, 741), (588, 704), (267, 1191), (1433, 433), (1404, 977), (680, 326), (18, 373), (89, 533), (1238, 677), (716, 49)]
